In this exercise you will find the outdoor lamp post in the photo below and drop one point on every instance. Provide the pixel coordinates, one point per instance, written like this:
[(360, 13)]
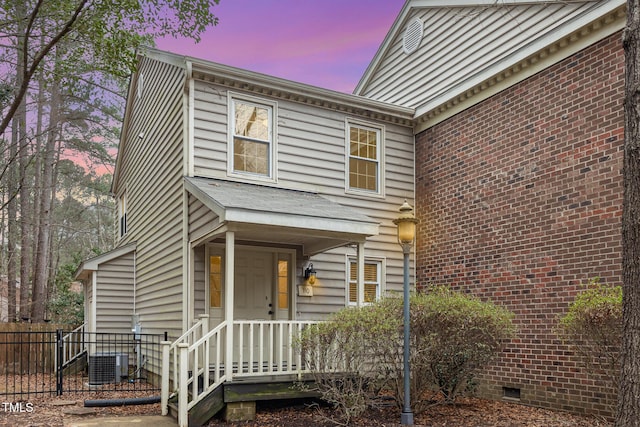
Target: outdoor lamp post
[(406, 223)]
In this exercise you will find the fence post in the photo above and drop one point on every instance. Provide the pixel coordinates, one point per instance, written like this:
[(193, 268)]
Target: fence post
[(164, 393), (59, 359)]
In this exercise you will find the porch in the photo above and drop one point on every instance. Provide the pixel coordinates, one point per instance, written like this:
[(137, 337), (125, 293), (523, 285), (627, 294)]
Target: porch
[(248, 247), (265, 364)]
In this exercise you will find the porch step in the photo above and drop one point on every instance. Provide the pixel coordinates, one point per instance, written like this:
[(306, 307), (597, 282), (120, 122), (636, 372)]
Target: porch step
[(82, 353), (266, 388), (204, 410)]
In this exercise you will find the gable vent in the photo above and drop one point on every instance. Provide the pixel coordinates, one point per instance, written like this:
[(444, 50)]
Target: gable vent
[(412, 36)]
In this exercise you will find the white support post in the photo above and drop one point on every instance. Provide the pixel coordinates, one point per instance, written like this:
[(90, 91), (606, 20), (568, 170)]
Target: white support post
[(204, 318), (164, 393), (229, 286), (204, 329), (183, 393), (360, 281)]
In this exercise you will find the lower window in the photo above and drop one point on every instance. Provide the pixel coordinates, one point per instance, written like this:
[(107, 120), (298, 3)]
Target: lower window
[(371, 281)]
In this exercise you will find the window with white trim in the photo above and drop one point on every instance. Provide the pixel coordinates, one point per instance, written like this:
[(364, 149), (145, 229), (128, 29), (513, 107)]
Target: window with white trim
[(251, 146), (372, 284), (122, 214), (283, 283), (364, 164)]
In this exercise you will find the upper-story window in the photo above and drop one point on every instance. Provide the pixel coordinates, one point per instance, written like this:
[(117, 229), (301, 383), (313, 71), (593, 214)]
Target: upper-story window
[(122, 214), (364, 165), (251, 144)]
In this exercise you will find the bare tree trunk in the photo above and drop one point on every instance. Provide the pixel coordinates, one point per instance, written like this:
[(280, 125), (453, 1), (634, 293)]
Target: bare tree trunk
[(41, 276), (29, 259), (26, 215), (628, 413), (12, 226)]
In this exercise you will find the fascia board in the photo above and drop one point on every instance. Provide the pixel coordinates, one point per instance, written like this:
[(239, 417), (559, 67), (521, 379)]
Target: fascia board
[(382, 49), (293, 221), (92, 264), (301, 90), (143, 52), (208, 201), (125, 131), (494, 3), (421, 4), (520, 56)]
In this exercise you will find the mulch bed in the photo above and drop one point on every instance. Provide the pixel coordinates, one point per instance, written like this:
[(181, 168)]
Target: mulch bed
[(470, 412), (467, 412), (50, 410)]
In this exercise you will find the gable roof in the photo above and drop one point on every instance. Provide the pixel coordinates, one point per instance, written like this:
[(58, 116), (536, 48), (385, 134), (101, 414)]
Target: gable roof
[(270, 214), (472, 49), (92, 264)]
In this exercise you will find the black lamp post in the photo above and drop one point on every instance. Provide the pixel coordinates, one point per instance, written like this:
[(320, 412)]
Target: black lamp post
[(406, 223)]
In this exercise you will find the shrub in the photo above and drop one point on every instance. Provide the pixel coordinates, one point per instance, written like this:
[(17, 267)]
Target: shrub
[(593, 328), (453, 336), (340, 354)]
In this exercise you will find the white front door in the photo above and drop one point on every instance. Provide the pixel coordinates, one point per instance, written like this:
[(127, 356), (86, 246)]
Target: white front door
[(262, 292), (254, 278)]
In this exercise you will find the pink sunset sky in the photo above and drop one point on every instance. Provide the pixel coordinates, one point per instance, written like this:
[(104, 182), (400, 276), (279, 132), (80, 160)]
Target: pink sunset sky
[(326, 43)]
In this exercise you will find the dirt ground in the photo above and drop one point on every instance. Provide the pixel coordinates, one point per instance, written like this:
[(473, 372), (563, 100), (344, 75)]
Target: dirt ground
[(472, 412)]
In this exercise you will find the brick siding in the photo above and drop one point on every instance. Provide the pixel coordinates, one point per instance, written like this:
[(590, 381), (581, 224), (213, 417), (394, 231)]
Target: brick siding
[(520, 200)]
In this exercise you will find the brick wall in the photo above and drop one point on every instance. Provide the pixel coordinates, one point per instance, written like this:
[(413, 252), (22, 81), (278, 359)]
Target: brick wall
[(519, 200)]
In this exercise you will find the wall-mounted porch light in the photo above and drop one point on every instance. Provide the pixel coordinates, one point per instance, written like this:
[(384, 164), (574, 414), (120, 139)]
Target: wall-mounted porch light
[(310, 275)]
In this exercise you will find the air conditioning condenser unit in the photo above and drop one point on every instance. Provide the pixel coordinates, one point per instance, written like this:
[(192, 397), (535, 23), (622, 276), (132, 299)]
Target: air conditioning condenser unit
[(105, 368)]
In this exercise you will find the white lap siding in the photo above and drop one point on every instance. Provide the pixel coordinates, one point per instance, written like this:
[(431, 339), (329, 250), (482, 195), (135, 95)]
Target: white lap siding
[(311, 156)]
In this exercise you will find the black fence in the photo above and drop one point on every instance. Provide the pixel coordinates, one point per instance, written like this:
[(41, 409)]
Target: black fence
[(58, 362)]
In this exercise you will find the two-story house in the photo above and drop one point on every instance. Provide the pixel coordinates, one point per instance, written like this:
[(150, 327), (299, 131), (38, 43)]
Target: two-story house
[(231, 184), (501, 121)]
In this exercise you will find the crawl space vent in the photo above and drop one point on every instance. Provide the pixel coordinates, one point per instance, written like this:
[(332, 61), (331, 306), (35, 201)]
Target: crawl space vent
[(412, 36)]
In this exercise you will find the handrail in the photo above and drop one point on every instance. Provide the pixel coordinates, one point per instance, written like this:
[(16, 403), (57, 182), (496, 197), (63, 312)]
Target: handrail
[(192, 334), (73, 345), (262, 347), (203, 363)]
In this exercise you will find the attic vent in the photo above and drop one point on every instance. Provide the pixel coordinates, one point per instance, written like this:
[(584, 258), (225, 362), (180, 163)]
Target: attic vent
[(412, 36)]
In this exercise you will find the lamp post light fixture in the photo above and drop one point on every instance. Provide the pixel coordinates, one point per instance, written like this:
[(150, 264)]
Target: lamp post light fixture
[(406, 223)]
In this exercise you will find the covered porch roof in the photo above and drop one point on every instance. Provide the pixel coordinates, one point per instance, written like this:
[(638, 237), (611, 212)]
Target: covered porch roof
[(259, 213)]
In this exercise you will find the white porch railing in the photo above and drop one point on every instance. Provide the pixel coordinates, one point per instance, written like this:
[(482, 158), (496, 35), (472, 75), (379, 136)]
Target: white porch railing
[(193, 334), (260, 348), (267, 347)]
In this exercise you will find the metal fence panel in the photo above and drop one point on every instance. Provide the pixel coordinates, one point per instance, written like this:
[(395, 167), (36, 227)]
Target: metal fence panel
[(58, 362)]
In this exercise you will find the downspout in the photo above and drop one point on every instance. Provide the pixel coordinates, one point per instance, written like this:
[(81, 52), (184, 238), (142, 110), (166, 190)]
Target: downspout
[(187, 170), (135, 280), (94, 300), (94, 306)]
